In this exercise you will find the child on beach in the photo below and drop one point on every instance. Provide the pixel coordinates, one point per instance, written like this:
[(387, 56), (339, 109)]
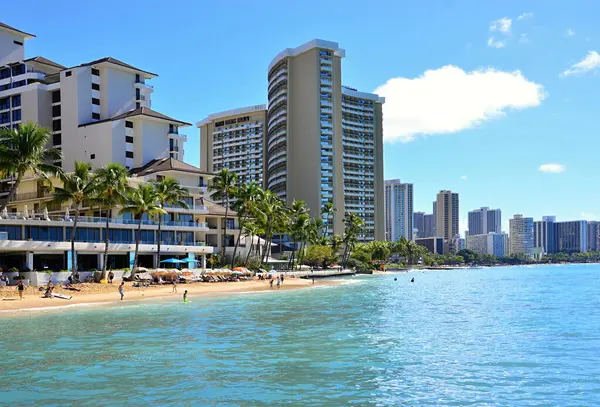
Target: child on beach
[(20, 288), (185, 296), (122, 289)]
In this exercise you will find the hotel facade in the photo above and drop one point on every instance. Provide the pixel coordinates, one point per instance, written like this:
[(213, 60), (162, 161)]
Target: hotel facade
[(99, 112), (323, 142), (398, 210)]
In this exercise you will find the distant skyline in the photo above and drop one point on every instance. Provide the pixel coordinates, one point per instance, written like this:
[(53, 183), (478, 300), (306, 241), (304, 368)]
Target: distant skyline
[(495, 101)]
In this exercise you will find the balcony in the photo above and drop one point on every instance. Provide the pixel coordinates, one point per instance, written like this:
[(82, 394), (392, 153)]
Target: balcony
[(142, 85), (31, 195), (175, 135)]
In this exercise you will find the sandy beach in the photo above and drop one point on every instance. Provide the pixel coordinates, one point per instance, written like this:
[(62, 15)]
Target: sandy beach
[(108, 293)]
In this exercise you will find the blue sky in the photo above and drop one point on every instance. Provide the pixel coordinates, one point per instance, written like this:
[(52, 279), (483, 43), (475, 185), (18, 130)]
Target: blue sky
[(492, 127)]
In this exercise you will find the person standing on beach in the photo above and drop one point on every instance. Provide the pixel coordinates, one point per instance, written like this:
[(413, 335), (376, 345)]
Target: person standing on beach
[(278, 281), (20, 288), (111, 275), (271, 283), (122, 289), (282, 279), (174, 281)]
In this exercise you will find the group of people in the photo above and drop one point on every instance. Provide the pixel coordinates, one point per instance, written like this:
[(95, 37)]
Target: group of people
[(279, 281)]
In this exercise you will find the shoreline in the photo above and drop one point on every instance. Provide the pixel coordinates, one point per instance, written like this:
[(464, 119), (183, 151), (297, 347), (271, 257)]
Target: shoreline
[(104, 295)]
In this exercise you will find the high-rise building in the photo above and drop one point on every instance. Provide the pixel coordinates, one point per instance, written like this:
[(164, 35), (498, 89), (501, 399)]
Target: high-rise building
[(571, 236), (521, 235), (428, 225), (234, 139), (398, 210), (434, 231), (485, 220), (435, 245), (418, 224), (544, 235), (491, 243), (593, 229), (447, 217)]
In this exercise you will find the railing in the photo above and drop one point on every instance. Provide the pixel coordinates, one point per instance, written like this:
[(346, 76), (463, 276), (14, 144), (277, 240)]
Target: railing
[(101, 220), (31, 195)]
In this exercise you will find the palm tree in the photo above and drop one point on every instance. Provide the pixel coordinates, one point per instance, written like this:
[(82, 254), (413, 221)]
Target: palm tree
[(246, 196), (335, 241), (78, 187), (141, 200), (352, 226), (270, 212), (251, 229), (169, 192), (327, 210), (299, 222), (25, 150), (112, 188), (224, 188)]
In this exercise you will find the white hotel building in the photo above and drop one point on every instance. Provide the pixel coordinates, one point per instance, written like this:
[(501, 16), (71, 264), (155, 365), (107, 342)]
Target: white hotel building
[(99, 112)]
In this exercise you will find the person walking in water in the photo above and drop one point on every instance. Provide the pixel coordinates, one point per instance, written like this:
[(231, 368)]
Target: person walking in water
[(122, 290), (20, 288), (185, 296)]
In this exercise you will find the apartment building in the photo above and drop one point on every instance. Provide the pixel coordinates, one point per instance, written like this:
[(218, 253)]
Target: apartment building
[(322, 142), (99, 112), (435, 245), (485, 220), (398, 210), (418, 223), (235, 139), (571, 236), (446, 210), (544, 235), (592, 239), (490, 243), (521, 235)]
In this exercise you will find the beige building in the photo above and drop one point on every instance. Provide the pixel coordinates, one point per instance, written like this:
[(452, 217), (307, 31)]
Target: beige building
[(324, 141), (447, 219), (234, 139)]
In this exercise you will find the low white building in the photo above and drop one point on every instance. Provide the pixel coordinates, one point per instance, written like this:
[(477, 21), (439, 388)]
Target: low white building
[(492, 243)]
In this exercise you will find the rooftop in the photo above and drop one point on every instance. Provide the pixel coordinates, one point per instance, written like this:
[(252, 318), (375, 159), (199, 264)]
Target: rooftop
[(232, 112), (45, 61), (7, 27), (111, 60), (141, 111), (316, 43), (166, 164)]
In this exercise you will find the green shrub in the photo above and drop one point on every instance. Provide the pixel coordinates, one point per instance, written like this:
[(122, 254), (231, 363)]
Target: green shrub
[(13, 270)]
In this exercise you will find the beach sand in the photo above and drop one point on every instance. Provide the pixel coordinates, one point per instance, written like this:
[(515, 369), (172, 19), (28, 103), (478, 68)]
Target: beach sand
[(103, 294)]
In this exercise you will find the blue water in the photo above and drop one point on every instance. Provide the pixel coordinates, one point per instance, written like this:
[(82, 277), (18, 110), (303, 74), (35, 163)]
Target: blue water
[(488, 337)]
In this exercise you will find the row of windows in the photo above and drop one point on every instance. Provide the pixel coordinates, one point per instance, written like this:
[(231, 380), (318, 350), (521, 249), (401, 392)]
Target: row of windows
[(5, 117), (13, 85), (15, 69), (5, 103)]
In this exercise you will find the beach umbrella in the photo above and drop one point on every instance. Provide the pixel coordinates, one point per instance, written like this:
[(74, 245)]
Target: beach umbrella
[(46, 213), (173, 260), (235, 272), (189, 259)]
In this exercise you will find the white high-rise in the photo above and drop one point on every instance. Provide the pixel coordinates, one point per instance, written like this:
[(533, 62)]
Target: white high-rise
[(398, 210), (485, 220), (521, 235)]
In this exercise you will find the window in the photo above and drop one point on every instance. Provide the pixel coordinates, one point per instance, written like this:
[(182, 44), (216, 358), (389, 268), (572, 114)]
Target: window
[(56, 125), (4, 117), (95, 72), (14, 232), (56, 111), (18, 43), (128, 139), (4, 73), (44, 233), (16, 101), (4, 103), (186, 218), (96, 116), (57, 139), (92, 156), (120, 236), (137, 105), (129, 154), (137, 94), (137, 78), (18, 69), (95, 86), (68, 73), (95, 101), (56, 96), (16, 115), (128, 124)]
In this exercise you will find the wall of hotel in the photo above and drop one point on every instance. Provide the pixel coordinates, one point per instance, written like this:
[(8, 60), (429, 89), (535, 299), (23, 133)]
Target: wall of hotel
[(119, 85), (98, 140), (72, 95), (9, 51), (303, 137), (154, 144), (379, 203)]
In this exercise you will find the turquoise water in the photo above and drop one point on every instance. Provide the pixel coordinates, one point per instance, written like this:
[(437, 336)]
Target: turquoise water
[(487, 337)]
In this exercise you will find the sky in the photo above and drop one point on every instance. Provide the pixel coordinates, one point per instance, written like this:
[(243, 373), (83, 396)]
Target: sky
[(497, 101)]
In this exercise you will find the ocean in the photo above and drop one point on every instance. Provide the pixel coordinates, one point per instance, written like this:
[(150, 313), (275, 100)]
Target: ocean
[(518, 336)]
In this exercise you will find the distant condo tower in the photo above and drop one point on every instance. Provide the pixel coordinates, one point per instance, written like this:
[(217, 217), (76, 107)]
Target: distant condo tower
[(446, 210), (398, 210), (485, 220), (521, 235)]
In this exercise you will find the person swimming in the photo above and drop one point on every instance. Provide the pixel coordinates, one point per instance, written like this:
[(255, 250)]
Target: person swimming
[(412, 280)]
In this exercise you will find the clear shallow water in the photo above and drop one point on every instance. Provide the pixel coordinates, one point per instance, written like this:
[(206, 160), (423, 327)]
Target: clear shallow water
[(486, 337)]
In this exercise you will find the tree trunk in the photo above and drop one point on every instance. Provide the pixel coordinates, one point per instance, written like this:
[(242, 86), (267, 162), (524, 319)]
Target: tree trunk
[(157, 263), (137, 245), (106, 242), (237, 241), (225, 225), (265, 245), (11, 193), (73, 255), (344, 260), (249, 250), (293, 256)]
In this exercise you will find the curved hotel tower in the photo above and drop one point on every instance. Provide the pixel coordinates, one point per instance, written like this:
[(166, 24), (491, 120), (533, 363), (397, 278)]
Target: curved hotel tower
[(323, 141)]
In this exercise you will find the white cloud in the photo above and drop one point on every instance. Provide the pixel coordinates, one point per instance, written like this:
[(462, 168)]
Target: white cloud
[(591, 62), (449, 100), (552, 168), (496, 43), (501, 25), (588, 216), (464, 177), (524, 39), (525, 16), (569, 32)]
